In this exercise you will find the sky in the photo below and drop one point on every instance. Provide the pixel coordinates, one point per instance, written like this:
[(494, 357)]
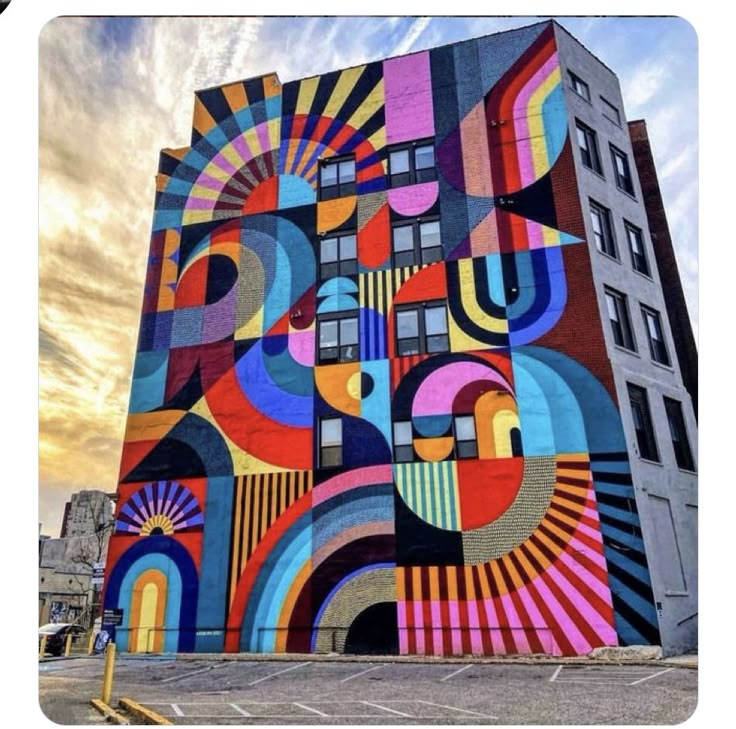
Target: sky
[(114, 91)]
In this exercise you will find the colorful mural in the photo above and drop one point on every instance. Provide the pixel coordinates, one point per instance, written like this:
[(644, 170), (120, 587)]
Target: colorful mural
[(371, 409)]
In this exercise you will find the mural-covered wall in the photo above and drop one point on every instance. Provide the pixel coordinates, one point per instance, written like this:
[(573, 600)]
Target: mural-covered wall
[(371, 407)]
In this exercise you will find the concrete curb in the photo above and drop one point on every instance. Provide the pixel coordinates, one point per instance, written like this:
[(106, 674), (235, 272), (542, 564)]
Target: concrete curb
[(108, 712), (142, 713), (681, 661)]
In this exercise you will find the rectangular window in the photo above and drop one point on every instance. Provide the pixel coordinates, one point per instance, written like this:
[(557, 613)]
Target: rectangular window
[(622, 171), (416, 242), (618, 315), (579, 86), (411, 163), (466, 442), (338, 338), (422, 328), (678, 431), (605, 241), (588, 144), (645, 438), (338, 255), (636, 247), (611, 112), (403, 442), (330, 442), (655, 335), (336, 178)]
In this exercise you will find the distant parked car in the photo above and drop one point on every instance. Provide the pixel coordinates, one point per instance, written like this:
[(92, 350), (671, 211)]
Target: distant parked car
[(56, 634)]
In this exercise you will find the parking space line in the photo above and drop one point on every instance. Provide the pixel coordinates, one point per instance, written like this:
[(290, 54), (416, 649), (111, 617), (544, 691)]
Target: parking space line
[(177, 710), (278, 673), (240, 710), (556, 673), (646, 678), (309, 708), (186, 675), (385, 708), (454, 673), (362, 673), (455, 708)]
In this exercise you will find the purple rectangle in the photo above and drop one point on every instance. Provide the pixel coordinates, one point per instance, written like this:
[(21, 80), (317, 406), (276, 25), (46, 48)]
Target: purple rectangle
[(408, 98)]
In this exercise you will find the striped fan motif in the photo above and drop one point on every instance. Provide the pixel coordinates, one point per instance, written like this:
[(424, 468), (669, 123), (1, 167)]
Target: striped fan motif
[(161, 507)]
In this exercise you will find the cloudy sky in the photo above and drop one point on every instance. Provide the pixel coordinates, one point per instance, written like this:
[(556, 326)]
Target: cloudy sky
[(114, 91)]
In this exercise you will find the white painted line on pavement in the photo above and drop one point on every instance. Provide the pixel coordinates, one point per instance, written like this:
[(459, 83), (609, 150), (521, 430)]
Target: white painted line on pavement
[(186, 675), (646, 678), (385, 708), (278, 673), (309, 708), (240, 711), (454, 673), (455, 708), (367, 670), (177, 710), (556, 673)]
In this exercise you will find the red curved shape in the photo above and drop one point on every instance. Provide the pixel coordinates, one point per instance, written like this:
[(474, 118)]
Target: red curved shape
[(487, 488), (264, 438)]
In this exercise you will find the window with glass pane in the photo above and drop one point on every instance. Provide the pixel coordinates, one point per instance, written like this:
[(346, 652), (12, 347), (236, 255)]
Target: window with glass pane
[(466, 445), (336, 178), (411, 163), (338, 339), (403, 442), (338, 256), (655, 334), (622, 171), (636, 247), (588, 143), (602, 229), (416, 242), (618, 315), (407, 331), (678, 431), (435, 326), (579, 86), (330, 442), (643, 427)]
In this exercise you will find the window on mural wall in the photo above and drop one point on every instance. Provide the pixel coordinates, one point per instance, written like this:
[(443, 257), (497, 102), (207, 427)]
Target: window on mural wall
[(618, 315), (588, 144), (655, 335), (466, 442), (422, 328), (338, 338), (416, 242), (579, 86), (600, 219), (338, 255), (330, 442), (336, 178), (636, 247), (411, 163), (403, 441), (645, 438), (678, 432), (622, 171)]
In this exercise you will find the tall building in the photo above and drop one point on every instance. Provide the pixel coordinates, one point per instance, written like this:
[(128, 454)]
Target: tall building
[(86, 513), (405, 379)]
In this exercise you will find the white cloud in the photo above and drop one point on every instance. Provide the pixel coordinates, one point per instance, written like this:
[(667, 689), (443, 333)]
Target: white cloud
[(417, 28)]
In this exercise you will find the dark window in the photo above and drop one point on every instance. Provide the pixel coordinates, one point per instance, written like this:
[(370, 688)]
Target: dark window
[(422, 328), (618, 314), (603, 229), (636, 248), (338, 255), (411, 163), (622, 171), (611, 112), (678, 431), (588, 143), (403, 442), (655, 335), (466, 442), (336, 178), (330, 442), (338, 338), (642, 422), (579, 86), (416, 242)]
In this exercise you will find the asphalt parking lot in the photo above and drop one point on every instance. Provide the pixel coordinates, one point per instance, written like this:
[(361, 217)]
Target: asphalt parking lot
[(216, 692)]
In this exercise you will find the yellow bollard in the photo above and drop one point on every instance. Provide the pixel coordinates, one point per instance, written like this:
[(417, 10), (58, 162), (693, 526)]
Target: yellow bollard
[(68, 645), (91, 645), (109, 668), (42, 649)]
